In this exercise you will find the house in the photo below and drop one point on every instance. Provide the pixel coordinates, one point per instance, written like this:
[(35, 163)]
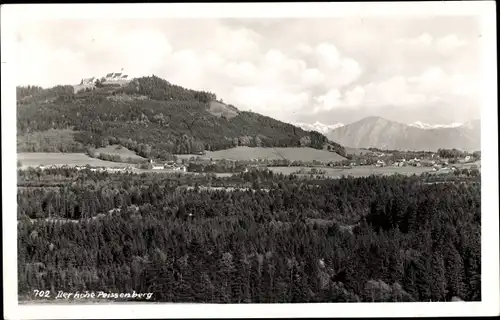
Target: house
[(467, 158), (158, 167), (380, 163), (89, 80)]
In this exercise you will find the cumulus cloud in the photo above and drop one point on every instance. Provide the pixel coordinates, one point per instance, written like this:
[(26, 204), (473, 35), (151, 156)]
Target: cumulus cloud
[(447, 45), (270, 101), (432, 85), (241, 71), (312, 77), (240, 43), (275, 69), (424, 39), (338, 70), (304, 49), (328, 101)]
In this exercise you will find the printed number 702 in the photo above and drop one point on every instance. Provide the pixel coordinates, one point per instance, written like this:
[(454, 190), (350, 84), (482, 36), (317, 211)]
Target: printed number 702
[(42, 294)]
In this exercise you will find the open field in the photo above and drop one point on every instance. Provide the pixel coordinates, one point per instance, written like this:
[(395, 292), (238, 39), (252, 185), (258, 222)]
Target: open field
[(292, 154), (357, 151), (220, 109), (119, 151), (188, 156), (361, 171), (33, 159)]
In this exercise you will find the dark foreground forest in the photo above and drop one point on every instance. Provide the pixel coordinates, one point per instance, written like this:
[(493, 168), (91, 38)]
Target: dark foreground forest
[(284, 239)]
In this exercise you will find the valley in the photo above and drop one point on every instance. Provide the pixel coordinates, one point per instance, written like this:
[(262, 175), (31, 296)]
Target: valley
[(157, 188)]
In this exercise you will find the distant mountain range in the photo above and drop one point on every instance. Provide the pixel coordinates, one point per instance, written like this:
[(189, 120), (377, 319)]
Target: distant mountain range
[(421, 125), (318, 126), (381, 133)]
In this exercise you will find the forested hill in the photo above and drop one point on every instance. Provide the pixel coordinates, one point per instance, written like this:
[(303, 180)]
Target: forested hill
[(150, 116)]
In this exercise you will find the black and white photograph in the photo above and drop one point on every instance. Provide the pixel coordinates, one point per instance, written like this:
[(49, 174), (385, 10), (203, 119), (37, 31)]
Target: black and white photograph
[(243, 160)]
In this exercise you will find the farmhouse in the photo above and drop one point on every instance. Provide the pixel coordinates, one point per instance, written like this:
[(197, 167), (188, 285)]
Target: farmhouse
[(181, 168), (380, 163)]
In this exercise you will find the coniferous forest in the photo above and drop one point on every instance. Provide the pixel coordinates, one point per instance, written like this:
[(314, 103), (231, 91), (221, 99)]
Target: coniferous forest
[(272, 238)]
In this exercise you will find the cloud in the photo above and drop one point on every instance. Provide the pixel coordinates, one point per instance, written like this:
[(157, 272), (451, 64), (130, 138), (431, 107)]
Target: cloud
[(237, 44), (270, 101), (338, 70), (276, 68), (432, 85), (242, 72), (447, 45), (328, 56), (328, 101), (424, 39), (304, 49), (312, 77), (355, 96)]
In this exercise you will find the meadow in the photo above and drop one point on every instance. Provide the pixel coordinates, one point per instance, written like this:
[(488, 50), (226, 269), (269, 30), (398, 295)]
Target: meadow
[(292, 154), (34, 159), (119, 151)]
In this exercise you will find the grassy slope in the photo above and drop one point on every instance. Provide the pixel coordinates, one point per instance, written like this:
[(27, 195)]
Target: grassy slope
[(292, 154), (119, 151), (33, 159)]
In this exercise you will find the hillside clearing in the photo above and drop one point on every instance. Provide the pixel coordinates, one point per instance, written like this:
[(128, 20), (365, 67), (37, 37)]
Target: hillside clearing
[(119, 151), (358, 151), (220, 109), (34, 159), (292, 154)]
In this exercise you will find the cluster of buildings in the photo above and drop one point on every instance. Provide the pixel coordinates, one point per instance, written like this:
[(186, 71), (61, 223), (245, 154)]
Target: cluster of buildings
[(170, 165), (112, 77)]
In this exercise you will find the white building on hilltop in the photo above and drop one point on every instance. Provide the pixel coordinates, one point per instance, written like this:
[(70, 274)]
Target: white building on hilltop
[(89, 80)]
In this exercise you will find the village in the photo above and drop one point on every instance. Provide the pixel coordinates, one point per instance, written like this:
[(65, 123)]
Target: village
[(202, 164)]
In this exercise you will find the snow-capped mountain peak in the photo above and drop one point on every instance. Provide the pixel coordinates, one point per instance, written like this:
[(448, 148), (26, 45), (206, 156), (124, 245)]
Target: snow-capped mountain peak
[(318, 126), (422, 125)]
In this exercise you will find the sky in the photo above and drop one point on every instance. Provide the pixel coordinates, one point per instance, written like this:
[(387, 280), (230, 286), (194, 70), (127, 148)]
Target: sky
[(293, 69)]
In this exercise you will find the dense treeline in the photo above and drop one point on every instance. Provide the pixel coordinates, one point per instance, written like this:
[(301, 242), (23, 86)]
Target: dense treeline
[(152, 114), (160, 89), (49, 141), (30, 94), (283, 240), (454, 153)]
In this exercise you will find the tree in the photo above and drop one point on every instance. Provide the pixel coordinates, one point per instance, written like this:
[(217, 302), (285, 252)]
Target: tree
[(438, 278)]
